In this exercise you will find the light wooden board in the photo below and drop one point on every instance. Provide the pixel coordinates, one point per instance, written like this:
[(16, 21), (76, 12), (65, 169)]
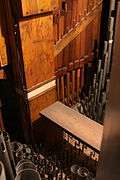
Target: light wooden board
[(80, 126), (37, 49)]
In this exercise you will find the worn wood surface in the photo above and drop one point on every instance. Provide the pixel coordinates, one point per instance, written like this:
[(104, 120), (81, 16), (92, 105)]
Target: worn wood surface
[(37, 49), (80, 126), (40, 102), (60, 45)]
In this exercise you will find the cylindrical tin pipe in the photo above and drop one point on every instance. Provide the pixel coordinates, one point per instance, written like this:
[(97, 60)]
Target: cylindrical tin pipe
[(4, 157)]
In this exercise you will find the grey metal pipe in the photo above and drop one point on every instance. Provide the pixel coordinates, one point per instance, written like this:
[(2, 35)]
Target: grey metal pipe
[(9, 149), (4, 157)]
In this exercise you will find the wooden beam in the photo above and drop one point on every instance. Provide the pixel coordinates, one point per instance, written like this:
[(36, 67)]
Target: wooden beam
[(75, 123), (77, 30)]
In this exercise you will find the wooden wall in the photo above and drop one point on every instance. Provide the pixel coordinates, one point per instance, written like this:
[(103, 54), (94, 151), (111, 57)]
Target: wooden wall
[(49, 44)]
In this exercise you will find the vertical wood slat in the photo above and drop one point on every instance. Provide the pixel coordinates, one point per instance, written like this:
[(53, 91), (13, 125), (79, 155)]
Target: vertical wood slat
[(69, 85)]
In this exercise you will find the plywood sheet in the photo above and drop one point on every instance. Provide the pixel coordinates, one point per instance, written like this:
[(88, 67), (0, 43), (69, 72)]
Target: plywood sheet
[(37, 49)]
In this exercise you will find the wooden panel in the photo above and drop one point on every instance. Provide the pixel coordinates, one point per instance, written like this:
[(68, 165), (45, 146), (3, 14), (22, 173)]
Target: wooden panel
[(77, 30), (80, 126), (39, 103), (3, 52), (24, 8), (37, 49)]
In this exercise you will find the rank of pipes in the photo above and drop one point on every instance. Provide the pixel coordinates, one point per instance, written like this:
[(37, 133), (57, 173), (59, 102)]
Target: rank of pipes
[(20, 161)]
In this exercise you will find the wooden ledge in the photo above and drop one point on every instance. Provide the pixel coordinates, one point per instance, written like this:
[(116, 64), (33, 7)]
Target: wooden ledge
[(72, 121)]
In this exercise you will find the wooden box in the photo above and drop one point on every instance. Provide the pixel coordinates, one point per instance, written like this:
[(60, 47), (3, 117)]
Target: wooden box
[(36, 36)]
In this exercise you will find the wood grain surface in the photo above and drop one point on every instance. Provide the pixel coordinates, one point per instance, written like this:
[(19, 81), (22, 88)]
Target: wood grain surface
[(80, 126), (23, 8), (39, 103), (37, 49)]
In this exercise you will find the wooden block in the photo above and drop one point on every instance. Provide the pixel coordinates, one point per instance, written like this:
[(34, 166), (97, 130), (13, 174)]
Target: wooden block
[(39, 103), (23, 8), (78, 125), (37, 49)]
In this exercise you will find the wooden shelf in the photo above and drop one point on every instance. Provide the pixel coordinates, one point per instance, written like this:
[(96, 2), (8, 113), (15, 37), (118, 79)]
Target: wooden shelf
[(80, 126), (77, 30)]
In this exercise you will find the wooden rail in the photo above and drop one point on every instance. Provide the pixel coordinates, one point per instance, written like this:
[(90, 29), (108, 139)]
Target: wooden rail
[(77, 30)]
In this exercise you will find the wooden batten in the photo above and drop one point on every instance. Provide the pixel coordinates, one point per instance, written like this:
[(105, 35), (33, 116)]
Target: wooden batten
[(41, 89)]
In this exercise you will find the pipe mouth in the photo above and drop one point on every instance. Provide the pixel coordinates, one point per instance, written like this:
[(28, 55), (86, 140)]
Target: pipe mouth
[(16, 146), (83, 172), (74, 168)]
